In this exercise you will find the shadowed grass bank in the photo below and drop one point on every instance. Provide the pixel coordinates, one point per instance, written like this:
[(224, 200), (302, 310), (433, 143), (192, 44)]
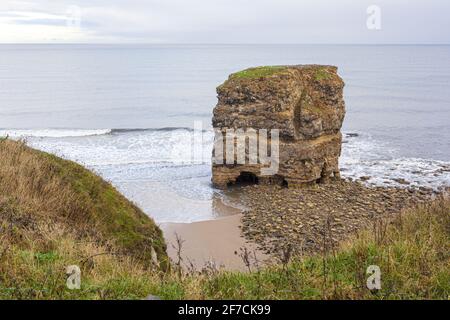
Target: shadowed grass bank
[(54, 213)]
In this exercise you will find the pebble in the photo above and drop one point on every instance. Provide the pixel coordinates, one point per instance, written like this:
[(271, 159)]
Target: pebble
[(276, 216)]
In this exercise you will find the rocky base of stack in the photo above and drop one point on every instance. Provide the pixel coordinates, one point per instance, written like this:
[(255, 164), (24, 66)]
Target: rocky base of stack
[(300, 164)]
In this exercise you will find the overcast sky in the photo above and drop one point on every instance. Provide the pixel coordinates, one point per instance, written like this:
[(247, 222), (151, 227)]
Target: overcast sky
[(223, 21)]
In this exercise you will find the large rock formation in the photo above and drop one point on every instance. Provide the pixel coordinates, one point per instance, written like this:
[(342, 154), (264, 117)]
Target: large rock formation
[(305, 103)]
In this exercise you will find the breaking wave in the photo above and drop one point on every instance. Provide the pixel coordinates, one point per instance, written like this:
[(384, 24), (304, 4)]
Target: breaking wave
[(379, 164), (68, 133), (147, 165), (52, 133)]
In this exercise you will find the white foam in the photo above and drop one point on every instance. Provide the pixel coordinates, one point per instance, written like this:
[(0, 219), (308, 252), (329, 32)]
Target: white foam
[(363, 156), (169, 147), (152, 166), (136, 154), (51, 133)]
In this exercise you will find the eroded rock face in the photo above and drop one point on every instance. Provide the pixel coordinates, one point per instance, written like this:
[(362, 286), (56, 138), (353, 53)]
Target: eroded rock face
[(305, 103)]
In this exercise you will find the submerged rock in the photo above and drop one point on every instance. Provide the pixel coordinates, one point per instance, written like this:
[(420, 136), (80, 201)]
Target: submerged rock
[(305, 103)]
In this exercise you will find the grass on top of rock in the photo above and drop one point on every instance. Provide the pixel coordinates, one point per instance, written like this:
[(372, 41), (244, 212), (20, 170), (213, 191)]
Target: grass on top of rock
[(258, 72), (322, 74)]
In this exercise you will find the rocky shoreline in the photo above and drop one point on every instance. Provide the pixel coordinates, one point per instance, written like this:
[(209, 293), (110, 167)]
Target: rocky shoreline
[(303, 205), (316, 218)]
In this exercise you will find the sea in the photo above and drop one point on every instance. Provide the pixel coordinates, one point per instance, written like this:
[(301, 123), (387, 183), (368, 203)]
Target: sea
[(127, 112)]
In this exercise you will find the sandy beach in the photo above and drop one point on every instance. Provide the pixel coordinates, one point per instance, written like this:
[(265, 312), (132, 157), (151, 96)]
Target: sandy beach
[(215, 241)]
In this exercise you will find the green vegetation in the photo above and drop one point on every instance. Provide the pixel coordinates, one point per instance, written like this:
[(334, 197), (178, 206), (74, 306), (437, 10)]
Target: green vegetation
[(322, 74), (27, 271), (258, 72), (45, 201), (111, 213), (54, 213), (254, 73)]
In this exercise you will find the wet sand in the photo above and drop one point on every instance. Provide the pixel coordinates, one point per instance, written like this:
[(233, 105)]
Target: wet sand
[(214, 241)]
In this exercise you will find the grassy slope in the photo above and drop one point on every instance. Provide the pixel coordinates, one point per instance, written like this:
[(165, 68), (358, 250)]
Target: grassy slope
[(38, 242), (54, 212)]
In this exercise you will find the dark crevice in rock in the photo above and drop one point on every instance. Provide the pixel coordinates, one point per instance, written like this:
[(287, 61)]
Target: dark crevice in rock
[(298, 116), (246, 178)]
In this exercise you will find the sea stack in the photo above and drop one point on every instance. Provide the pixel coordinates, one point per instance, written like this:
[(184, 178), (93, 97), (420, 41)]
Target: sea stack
[(303, 104)]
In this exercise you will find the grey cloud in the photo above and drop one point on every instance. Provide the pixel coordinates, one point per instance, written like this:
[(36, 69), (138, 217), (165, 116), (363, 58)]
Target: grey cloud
[(257, 21)]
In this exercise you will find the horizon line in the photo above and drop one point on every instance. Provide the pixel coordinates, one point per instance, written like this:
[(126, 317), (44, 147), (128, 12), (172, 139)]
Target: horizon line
[(221, 44)]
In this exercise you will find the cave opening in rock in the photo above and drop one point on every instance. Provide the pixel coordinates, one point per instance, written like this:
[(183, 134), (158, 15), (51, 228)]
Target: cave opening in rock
[(246, 178)]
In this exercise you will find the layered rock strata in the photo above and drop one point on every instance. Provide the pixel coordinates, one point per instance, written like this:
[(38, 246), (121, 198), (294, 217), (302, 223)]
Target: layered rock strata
[(303, 105)]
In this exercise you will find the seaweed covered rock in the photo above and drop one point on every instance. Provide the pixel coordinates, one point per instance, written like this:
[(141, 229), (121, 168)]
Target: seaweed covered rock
[(304, 103)]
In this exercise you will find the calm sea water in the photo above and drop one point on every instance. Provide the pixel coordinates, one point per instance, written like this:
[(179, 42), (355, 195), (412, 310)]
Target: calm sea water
[(87, 102)]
